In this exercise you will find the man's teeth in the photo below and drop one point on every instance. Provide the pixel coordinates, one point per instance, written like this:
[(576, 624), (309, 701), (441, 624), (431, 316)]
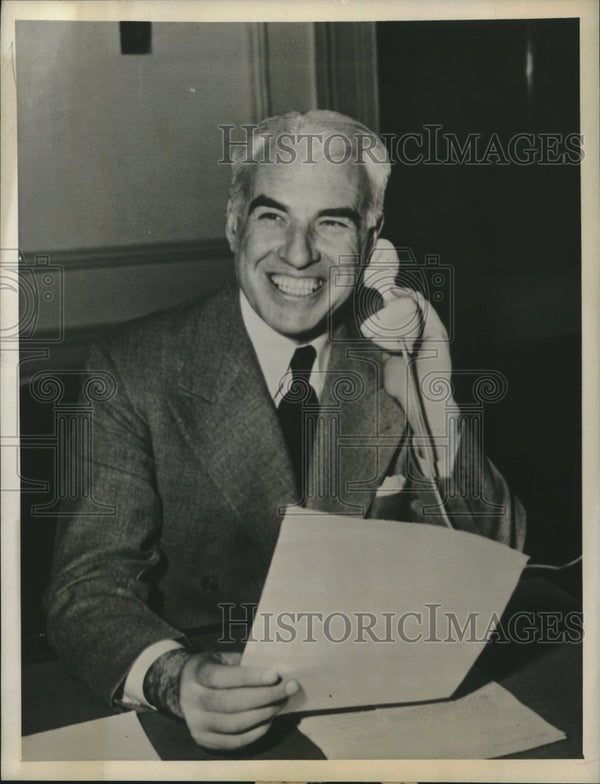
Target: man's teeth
[(297, 287)]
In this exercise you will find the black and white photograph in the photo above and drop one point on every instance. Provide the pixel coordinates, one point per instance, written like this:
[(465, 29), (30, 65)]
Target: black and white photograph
[(299, 391)]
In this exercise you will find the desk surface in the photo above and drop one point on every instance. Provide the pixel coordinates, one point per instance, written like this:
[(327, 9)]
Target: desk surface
[(547, 677)]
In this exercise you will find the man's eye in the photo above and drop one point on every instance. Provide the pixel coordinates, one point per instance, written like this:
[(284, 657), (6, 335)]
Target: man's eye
[(270, 216), (336, 223)]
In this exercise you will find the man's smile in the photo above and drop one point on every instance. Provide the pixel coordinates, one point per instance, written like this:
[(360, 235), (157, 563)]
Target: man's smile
[(296, 225), (294, 286)]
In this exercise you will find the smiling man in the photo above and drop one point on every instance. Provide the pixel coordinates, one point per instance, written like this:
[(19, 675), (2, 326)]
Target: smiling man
[(288, 224), (262, 397)]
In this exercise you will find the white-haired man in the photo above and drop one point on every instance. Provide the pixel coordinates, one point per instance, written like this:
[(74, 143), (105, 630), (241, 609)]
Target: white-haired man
[(206, 443)]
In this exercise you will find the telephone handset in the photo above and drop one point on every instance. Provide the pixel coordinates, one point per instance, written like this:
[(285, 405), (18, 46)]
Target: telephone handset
[(397, 326)]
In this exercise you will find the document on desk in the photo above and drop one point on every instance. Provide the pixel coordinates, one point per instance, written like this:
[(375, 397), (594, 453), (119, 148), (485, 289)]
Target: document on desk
[(485, 724), (370, 612), (119, 737)]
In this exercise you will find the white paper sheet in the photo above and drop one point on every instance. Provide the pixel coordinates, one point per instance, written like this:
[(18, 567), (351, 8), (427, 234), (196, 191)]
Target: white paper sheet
[(487, 723), (421, 585), (118, 737)]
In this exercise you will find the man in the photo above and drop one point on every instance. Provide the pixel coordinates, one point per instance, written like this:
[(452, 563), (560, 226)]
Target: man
[(201, 449)]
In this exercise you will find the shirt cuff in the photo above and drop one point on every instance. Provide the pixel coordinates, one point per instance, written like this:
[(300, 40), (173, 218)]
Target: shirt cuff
[(133, 691)]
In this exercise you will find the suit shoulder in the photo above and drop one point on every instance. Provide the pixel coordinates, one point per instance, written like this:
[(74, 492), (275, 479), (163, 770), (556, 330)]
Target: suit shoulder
[(160, 341)]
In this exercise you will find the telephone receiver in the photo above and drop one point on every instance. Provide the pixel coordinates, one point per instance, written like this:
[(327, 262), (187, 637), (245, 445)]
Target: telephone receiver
[(394, 322), (393, 315)]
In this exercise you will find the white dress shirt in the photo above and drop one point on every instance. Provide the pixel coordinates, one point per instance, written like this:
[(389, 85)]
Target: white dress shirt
[(274, 353)]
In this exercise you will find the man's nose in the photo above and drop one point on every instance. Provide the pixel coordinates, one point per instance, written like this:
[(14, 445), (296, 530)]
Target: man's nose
[(299, 250)]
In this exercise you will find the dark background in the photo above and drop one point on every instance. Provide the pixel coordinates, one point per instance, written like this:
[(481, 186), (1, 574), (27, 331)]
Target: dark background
[(510, 234)]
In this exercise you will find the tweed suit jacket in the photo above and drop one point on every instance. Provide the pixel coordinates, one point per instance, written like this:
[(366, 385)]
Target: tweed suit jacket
[(190, 461)]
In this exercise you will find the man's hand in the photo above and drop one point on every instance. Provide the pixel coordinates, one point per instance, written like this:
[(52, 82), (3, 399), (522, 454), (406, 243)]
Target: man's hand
[(408, 328), (226, 706)]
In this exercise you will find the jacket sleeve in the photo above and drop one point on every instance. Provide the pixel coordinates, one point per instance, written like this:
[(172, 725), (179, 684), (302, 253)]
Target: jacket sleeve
[(106, 551), (476, 497)]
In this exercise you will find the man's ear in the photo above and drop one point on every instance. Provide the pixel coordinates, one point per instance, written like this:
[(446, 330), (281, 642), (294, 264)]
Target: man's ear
[(231, 227)]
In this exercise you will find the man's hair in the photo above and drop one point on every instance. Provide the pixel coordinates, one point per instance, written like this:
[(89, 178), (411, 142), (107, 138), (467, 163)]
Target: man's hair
[(361, 146)]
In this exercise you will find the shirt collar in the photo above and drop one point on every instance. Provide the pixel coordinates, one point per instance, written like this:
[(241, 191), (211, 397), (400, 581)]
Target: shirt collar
[(274, 352)]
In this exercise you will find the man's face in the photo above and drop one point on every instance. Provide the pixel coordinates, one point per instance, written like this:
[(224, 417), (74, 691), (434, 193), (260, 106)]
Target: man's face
[(298, 222)]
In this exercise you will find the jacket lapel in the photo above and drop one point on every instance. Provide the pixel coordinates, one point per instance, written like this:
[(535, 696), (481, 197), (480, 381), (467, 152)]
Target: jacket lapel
[(359, 430), (222, 405)]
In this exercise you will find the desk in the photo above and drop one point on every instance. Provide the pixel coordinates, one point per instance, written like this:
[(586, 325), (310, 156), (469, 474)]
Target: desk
[(546, 677)]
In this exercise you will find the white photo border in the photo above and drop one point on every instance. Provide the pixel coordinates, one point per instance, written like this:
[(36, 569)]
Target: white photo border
[(586, 770)]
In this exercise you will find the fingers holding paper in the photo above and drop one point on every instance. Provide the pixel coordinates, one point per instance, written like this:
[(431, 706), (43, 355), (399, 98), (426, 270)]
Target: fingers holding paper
[(227, 706)]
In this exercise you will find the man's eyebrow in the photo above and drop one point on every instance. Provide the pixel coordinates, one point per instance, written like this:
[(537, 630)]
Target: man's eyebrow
[(332, 212), (342, 212), (264, 201)]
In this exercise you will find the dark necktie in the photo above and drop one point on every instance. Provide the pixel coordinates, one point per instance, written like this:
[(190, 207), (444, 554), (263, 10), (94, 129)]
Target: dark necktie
[(299, 401)]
